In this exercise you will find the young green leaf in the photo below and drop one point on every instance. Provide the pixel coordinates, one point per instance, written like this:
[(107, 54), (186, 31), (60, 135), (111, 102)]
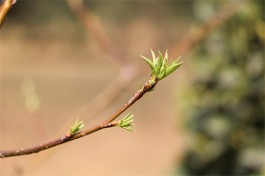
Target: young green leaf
[(171, 68), (153, 54), (149, 62)]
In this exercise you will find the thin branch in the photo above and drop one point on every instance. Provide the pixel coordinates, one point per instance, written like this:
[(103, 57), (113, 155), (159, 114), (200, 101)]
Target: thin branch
[(126, 77), (4, 8), (139, 94), (66, 138), (193, 38), (92, 23)]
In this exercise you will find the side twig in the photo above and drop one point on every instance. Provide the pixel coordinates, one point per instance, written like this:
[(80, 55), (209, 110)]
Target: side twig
[(92, 23), (193, 38)]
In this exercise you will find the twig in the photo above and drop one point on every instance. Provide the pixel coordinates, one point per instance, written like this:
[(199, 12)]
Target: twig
[(92, 23), (193, 38), (110, 92), (4, 8), (66, 138)]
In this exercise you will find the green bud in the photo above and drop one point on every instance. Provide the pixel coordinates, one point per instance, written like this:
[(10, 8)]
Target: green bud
[(160, 66), (77, 126), (127, 122)]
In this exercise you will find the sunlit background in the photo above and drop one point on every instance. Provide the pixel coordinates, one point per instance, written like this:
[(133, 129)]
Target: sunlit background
[(205, 119)]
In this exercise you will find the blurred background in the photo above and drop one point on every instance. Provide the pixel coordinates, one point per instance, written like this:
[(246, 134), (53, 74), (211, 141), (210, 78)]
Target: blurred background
[(64, 59)]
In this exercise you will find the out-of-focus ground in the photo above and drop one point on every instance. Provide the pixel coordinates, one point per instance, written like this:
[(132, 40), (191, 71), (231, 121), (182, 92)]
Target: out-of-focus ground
[(59, 59)]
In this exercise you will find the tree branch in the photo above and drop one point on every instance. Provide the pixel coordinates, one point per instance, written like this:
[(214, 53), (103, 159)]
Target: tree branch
[(193, 38), (148, 86), (91, 22), (4, 8)]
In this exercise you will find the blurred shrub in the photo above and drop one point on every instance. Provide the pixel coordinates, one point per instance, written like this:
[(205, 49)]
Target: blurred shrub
[(225, 103)]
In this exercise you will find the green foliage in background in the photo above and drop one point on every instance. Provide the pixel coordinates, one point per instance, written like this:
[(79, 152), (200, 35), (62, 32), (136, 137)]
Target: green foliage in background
[(225, 103)]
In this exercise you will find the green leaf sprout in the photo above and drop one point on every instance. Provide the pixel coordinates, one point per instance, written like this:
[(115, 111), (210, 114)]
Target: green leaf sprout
[(160, 66), (127, 122), (77, 126)]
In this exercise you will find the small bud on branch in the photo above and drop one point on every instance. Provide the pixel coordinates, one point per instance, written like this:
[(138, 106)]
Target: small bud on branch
[(127, 122), (77, 126)]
